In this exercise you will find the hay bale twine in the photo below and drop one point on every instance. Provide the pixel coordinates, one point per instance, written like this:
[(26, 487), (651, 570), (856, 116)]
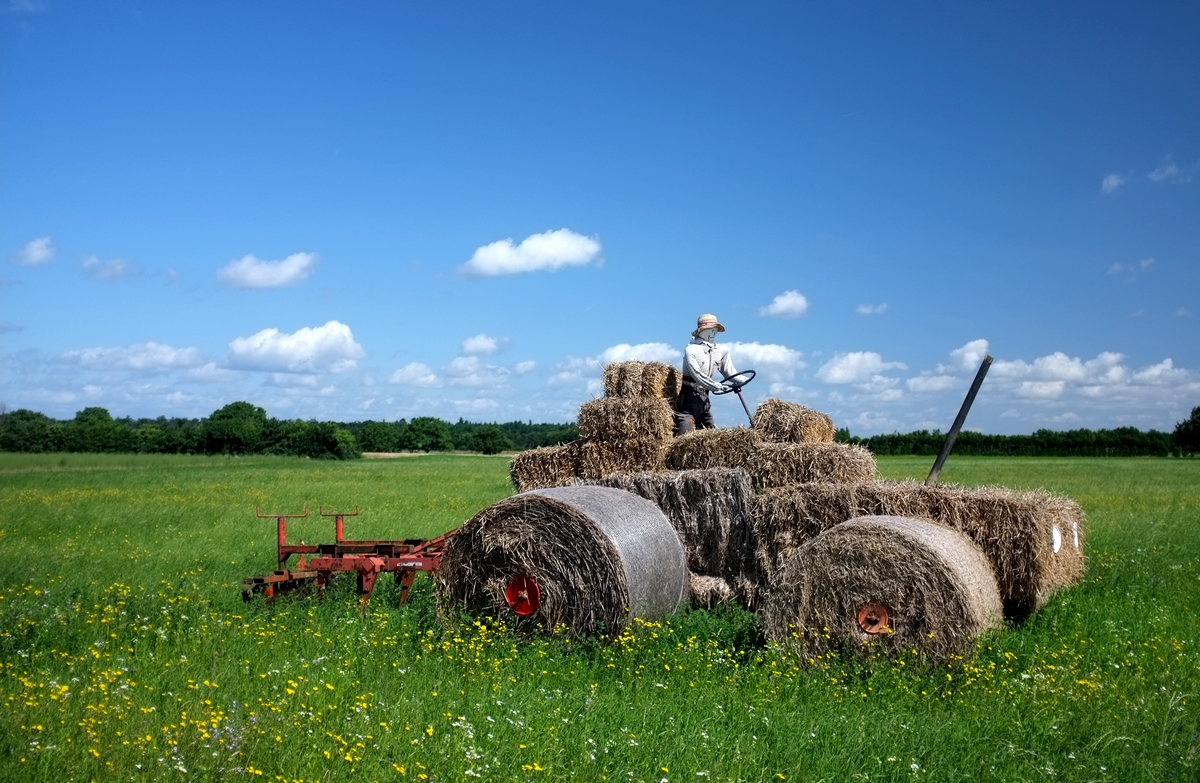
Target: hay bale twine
[(599, 557), (623, 419), (782, 464), (887, 583), (789, 422), (549, 466), (715, 448)]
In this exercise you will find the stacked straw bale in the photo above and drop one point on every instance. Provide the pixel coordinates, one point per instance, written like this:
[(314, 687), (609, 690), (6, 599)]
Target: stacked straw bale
[(718, 448), (600, 557), (787, 422), (642, 379), (709, 591), (1014, 529), (626, 418), (549, 466), (782, 464), (936, 585)]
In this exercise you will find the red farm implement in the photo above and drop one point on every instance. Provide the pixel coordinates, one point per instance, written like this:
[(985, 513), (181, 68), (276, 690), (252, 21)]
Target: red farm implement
[(318, 563)]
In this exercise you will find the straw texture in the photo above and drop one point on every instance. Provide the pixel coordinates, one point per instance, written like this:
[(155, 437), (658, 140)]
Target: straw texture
[(788, 422), (935, 583)]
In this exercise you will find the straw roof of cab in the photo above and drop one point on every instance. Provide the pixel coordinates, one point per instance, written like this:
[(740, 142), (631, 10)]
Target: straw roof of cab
[(713, 448), (789, 422), (641, 379), (1013, 528), (626, 418), (709, 509), (549, 466), (598, 557), (781, 464), (935, 584)]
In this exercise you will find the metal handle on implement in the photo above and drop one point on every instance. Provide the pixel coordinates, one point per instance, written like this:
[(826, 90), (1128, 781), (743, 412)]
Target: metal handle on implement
[(958, 422)]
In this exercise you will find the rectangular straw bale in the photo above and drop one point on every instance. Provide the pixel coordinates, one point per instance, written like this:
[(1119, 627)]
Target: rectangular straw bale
[(626, 418), (780, 464), (623, 379), (1013, 528), (603, 457), (641, 379), (789, 422), (709, 509), (716, 448), (661, 380), (549, 466)]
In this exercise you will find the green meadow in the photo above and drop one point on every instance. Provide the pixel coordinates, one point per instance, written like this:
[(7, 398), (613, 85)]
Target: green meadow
[(127, 653)]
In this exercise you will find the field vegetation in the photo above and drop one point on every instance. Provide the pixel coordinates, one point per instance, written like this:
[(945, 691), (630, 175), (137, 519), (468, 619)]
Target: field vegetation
[(126, 652)]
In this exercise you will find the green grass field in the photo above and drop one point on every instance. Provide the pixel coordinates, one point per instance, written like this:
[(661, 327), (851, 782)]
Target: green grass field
[(126, 652)]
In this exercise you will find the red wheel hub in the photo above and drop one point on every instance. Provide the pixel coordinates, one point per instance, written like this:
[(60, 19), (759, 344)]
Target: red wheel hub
[(874, 619), (523, 595)]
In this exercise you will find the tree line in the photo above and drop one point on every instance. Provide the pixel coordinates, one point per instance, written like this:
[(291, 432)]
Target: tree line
[(242, 428), (1119, 442)]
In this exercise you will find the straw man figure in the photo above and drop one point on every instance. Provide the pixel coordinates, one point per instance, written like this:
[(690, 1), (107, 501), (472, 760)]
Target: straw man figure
[(701, 359)]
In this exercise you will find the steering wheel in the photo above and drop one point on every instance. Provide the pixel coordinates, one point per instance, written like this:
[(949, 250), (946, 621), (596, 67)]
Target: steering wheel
[(734, 383)]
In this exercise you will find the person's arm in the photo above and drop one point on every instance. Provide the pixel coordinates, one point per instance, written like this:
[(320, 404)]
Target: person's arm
[(726, 365), (691, 363)]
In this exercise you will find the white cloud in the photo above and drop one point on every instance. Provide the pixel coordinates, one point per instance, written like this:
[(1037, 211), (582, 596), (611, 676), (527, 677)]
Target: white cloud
[(211, 373), (328, 348), (1168, 172), (415, 374), (646, 352), (1111, 183), (776, 363), (250, 272), (524, 368), (471, 371), (789, 304), (1041, 390), (483, 345), (1183, 312), (151, 357), (855, 367), (871, 309), (551, 250), (36, 251), (932, 383), (971, 355), (1132, 270), (107, 270), (1163, 372)]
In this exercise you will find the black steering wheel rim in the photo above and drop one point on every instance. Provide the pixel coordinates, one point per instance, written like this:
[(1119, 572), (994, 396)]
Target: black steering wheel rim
[(734, 383)]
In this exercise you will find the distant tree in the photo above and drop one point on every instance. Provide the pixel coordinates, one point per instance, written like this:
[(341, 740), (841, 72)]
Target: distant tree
[(378, 436), (426, 433), (93, 430), (25, 430), (841, 435), (235, 429), (490, 439), (1187, 432)]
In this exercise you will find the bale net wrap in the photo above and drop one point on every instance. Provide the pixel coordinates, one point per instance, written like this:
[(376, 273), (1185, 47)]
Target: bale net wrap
[(599, 557)]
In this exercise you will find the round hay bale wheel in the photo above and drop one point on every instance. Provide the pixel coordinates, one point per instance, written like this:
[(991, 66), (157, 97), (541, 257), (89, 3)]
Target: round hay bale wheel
[(586, 558), (889, 583)]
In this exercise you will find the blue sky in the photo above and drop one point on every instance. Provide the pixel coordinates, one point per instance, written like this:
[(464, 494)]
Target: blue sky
[(384, 210)]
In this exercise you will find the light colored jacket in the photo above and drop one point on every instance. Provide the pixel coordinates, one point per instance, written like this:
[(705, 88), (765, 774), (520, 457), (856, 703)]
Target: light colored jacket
[(701, 359)]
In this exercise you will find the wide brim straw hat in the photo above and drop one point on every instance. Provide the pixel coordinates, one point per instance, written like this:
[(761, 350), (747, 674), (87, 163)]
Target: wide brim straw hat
[(707, 321)]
